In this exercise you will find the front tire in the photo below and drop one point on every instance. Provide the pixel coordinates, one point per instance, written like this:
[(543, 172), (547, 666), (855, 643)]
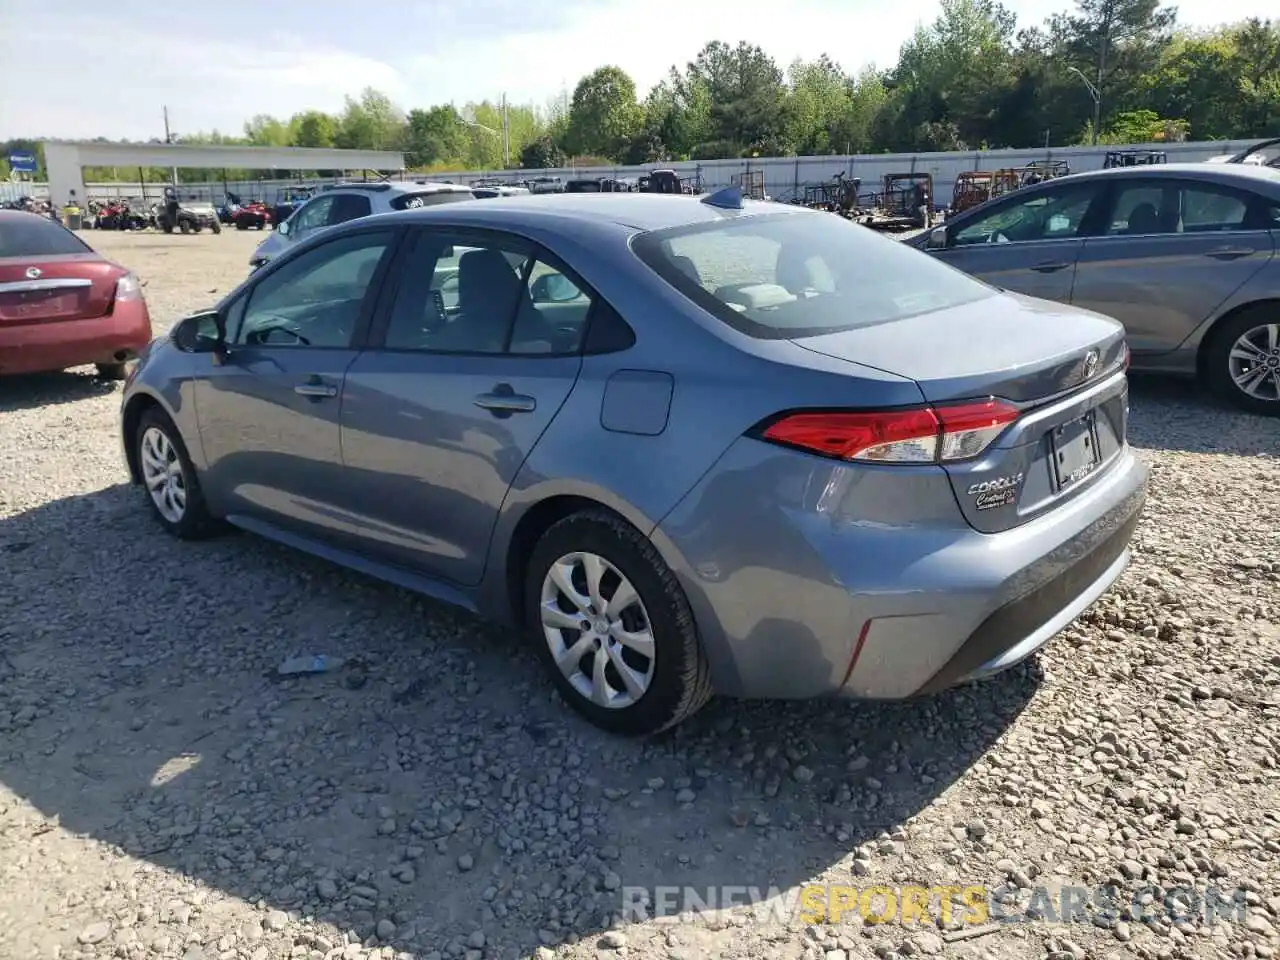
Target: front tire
[(1242, 362), (216, 227), (170, 480), (613, 626)]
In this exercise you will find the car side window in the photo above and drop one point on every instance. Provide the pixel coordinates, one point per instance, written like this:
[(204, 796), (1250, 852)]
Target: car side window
[(314, 300), (312, 214), (1205, 208), (1052, 215), (461, 295), (1140, 208), (349, 206)]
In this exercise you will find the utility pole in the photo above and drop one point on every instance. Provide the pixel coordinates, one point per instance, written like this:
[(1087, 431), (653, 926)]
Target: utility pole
[(168, 138), (1097, 84), (506, 133)]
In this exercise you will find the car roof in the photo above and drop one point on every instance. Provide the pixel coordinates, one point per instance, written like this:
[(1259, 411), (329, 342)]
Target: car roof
[(636, 211), (1243, 174), (397, 186)]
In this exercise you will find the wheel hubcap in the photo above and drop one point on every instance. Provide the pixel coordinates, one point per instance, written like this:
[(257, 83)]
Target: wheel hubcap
[(162, 474), (598, 630), (1254, 362)]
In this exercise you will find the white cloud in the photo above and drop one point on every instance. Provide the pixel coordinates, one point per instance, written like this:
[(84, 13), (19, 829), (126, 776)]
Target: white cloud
[(70, 75)]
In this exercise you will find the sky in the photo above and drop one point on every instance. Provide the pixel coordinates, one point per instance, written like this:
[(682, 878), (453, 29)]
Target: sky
[(70, 69)]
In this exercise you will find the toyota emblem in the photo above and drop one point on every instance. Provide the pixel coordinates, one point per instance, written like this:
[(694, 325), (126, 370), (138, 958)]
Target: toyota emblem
[(1090, 364), (33, 273)]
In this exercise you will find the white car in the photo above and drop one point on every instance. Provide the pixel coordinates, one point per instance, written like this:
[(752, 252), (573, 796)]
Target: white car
[(338, 203)]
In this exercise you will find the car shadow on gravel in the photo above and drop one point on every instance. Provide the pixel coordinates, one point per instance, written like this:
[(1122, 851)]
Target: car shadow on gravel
[(1170, 413), (431, 788), (30, 390)]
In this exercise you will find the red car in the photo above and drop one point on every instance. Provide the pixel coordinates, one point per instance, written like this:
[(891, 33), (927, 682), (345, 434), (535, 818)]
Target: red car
[(62, 304), (254, 215)]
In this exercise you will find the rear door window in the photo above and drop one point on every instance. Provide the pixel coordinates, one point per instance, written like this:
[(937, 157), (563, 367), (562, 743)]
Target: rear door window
[(349, 206)]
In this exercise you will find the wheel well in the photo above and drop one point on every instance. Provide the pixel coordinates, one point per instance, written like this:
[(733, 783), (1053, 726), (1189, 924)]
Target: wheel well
[(537, 520), (129, 427), (1202, 352)]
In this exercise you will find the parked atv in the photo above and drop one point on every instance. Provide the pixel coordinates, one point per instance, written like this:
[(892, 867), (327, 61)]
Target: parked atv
[(252, 215), (186, 216)]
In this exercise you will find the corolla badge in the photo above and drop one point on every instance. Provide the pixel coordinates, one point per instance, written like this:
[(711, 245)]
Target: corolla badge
[(33, 273), (1090, 364)]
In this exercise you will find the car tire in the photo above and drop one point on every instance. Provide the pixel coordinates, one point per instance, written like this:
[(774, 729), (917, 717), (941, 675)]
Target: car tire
[(242, 224), (1249, 325), (157, 439), (111, 371), (167, 227), (669, 685), (184, 226), (217, 227)]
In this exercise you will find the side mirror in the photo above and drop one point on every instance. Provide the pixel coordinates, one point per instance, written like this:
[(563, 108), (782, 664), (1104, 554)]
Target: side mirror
[(553, 288), (202, 332), (937, 239)]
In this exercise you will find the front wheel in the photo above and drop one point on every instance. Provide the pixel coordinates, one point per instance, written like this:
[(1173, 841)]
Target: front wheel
[(173, 489), (613, 627), (1242, 362), (217, 227), (184, 226)]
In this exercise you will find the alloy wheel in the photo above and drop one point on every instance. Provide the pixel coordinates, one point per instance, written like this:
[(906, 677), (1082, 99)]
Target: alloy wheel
[(597, 630), (1254, 362), (162, 474)]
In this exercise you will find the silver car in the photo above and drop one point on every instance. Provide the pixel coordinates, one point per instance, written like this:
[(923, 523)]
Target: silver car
[(339, 203), (687, 445), (1184, 255)]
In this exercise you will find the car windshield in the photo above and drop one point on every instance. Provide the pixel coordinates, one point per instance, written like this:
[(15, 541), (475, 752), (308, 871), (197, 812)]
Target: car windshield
[(32, 236), (801, 275)]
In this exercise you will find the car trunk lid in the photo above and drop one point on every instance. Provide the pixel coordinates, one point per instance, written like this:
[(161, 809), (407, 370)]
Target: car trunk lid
[(52, 288), (1059, 366)]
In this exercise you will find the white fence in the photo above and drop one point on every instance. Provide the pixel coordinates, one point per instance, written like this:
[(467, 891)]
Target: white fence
[(784, 177)]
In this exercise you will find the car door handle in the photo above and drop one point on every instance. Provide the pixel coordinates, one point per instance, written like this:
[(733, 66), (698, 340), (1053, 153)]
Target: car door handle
[(315, 388), (1229, 253), (1050, 266), (502, 400)]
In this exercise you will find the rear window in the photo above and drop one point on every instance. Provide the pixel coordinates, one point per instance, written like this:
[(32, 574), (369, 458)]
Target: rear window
[(430, 198), (31, 236), (783, 276)]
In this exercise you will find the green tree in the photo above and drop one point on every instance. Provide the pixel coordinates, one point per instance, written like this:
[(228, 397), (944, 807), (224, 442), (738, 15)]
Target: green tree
[(747, 100), (541, 153), (1113, 43), (313, 129), (604, 117), (433, 136), (372, 122)]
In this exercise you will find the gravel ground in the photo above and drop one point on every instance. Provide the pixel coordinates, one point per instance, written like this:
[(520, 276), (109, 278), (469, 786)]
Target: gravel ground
[(161, 795)]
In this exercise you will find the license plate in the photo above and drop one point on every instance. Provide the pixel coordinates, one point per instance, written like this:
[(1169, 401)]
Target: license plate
[(1075, 451)]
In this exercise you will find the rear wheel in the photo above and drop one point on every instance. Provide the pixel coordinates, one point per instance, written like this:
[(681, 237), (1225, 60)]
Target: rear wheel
[(217, 227), (1242, 361), (613, 626), (173, 489), (184, 226), (242, 224)]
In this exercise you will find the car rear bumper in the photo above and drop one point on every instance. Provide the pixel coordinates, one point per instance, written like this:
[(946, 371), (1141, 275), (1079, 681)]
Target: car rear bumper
[(58, 344), (815, 579)]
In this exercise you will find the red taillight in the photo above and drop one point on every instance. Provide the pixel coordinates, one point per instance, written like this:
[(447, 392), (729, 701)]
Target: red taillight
[(924, 435)]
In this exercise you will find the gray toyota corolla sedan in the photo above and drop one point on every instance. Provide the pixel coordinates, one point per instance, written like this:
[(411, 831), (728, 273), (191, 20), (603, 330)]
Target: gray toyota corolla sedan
[(690, 446), (1184, 255)]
